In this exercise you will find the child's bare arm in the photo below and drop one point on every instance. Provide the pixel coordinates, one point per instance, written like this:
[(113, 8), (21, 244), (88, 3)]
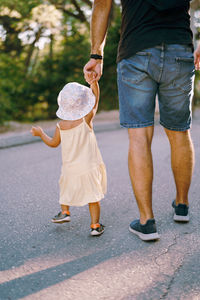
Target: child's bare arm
[(95, 89), (51, 142)]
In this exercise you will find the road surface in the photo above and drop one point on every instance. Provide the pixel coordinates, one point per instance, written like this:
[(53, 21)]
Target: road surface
[(42, 260)]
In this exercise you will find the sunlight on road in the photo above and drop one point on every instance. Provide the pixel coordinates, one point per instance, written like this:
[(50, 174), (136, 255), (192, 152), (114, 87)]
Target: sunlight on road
[(102, 281), (30, 267)]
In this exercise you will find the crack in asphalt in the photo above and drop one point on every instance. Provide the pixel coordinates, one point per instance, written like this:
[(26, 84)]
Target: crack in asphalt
[(166, 250), (165, 294)]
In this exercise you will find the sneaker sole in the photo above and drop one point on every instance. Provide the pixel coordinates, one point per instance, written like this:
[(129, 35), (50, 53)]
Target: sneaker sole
[(67, 219), (95, 233), (178, 218), (145, 237)]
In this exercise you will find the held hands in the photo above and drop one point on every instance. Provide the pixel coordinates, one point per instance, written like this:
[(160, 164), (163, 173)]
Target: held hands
[(36, 131), (197, 57), (93, 70)]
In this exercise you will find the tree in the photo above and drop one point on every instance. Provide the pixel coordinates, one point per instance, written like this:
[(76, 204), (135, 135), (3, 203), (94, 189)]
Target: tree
[(31, 75)]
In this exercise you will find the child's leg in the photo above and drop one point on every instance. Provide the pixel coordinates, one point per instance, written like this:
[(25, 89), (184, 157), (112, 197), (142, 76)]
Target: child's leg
[(65, 209), (96, 227), (94, 209)]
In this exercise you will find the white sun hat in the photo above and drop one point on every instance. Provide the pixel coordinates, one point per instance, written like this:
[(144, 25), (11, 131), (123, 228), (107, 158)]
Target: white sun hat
[(75, 101)]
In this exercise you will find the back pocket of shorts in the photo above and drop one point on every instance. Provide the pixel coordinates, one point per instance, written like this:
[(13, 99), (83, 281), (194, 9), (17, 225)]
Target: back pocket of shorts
[(134, 69), (185, 73)]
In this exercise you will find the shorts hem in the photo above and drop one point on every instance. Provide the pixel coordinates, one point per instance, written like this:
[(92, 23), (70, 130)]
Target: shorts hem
[(175, 128), (128, 125)]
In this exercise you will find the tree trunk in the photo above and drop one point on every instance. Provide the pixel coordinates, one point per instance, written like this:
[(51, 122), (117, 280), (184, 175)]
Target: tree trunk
[(31, 49)]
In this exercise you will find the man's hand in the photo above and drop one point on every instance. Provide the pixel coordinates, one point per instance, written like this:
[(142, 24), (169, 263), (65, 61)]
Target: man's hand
[(36, 131), (93, 70), (197, 57)]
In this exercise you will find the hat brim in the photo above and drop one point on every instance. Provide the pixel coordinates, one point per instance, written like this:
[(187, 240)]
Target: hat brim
[(76, 114)]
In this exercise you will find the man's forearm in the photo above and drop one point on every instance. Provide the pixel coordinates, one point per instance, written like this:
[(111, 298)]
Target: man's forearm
[(167, 4), (99, 25)]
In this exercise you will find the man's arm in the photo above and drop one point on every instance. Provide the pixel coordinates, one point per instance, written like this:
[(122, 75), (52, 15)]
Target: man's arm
[(98, 28), (99, 24), (197, 57), (167, 4)]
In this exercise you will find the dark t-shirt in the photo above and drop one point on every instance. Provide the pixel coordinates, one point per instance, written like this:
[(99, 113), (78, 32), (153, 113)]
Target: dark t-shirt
[(147, 23)]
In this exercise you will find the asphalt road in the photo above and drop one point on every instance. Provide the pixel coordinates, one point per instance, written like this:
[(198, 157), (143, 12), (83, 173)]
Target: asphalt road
[(41, 260)]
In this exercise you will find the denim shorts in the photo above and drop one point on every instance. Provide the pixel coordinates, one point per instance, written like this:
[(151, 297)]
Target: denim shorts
[(166, 71)]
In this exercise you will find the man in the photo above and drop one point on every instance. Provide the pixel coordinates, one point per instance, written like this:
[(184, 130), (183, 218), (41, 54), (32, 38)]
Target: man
[(155, 56)]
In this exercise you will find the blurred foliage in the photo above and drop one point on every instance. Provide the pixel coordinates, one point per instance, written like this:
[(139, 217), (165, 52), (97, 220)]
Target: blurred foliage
[(52, 73), (44, 45)]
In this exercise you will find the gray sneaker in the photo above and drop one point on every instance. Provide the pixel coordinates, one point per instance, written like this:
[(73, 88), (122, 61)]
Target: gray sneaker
[(61, 218), (146, 232), (180, 212)]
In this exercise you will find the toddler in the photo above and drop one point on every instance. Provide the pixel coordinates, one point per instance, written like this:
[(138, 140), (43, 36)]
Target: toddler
[(83, 175)]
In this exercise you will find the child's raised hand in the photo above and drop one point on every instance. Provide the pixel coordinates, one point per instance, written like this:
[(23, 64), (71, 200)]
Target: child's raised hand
[(36, 131)]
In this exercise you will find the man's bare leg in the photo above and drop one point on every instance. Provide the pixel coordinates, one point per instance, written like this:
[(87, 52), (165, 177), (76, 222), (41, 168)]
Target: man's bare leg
[(182, 161), (141, 169)]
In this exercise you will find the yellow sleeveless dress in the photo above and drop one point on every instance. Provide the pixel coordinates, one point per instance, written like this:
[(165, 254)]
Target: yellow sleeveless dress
[(83, 177)]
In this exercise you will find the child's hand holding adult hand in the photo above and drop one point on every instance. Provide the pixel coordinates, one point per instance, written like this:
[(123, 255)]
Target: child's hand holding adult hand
[(36, 131)]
